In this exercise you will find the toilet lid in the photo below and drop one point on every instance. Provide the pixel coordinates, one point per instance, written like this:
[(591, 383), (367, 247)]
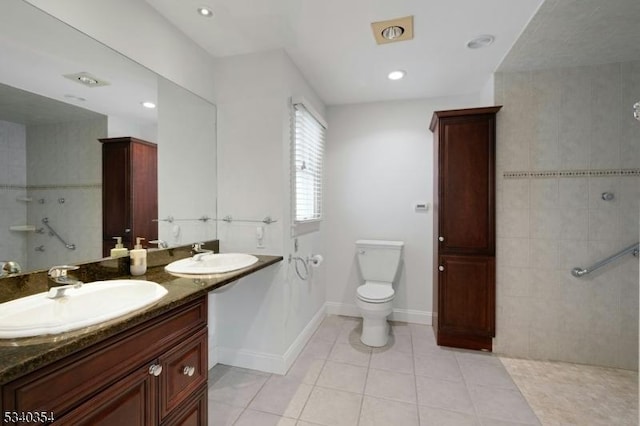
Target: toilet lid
[(375, 293)]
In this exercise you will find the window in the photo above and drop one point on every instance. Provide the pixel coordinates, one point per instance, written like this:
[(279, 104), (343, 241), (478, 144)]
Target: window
[(307, 157)]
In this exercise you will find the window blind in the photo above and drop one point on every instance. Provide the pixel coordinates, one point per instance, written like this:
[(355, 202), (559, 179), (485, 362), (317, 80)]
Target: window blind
[(307, 159)]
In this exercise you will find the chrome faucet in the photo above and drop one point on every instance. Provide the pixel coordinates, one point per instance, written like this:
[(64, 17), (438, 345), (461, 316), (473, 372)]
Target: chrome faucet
[(58, 274), (162, 244), (199, 252), (9, 267)]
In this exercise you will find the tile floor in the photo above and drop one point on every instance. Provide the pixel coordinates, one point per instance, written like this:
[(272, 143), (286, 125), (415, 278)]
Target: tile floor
[(337, 381), (572, 394)]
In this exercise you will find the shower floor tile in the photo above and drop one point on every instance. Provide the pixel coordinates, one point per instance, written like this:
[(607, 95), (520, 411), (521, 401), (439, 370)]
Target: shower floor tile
[(563, 393)]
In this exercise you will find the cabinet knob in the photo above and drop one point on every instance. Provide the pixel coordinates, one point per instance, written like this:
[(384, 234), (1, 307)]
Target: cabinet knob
[(188, 371), (127, 230), (155, 370), (440, 268), (441, 239)]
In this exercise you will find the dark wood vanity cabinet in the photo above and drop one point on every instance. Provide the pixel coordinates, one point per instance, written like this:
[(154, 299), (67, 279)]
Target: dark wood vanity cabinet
[(464, 226), (129, 191), (153, 374)]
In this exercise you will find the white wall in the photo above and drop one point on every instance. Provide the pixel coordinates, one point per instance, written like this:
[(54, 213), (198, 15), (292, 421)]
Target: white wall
[(187, 171), (120, 127), (379, 164), (571, 119), (264, 319)]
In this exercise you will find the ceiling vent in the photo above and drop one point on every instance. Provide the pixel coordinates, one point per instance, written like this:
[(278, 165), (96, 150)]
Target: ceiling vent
[(86, 79), (399, 29)]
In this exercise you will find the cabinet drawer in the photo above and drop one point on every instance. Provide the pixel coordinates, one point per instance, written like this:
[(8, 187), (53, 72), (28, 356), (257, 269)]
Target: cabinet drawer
[(131, 401), (79, 376), (194, 412), (184, 369)]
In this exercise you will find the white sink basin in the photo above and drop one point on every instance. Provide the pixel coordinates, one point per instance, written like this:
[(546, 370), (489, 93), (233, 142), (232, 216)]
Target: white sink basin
[(90, 304), (210, 264)]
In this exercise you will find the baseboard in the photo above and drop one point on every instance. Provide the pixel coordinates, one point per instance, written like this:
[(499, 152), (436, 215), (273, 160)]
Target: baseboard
[(298, 344), (335, 308), (412, 316), (213, 356), (270, 363), (262, 361), (405, 315), (279, 364)]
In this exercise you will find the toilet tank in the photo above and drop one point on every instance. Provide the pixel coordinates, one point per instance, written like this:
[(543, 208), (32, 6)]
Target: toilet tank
[(378, 259)]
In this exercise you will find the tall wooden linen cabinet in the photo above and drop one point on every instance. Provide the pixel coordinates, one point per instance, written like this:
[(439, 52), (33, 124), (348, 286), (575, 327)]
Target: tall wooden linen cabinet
[(129, 191), (464, 224)]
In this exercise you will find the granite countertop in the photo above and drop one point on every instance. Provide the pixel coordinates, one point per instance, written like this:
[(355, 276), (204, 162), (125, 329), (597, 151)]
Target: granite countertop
[(21, 356)]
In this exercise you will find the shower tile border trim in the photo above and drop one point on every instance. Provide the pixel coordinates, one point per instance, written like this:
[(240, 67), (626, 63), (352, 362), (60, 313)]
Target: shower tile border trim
[(546, 174), (40, 187)]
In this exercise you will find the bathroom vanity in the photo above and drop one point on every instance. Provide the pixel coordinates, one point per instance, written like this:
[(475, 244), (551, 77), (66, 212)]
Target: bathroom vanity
[(154, 373), (145, 368)]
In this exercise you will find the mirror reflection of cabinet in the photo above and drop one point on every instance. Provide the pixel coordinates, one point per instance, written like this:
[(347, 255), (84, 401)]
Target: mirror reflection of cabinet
[(129, 191)]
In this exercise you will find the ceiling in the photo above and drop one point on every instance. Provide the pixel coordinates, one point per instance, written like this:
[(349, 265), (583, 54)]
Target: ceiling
[(37, 65), (578, 32), (332, 43), (19, 106)]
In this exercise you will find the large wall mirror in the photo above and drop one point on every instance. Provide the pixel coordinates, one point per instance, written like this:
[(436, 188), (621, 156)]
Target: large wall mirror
[(50, 156)]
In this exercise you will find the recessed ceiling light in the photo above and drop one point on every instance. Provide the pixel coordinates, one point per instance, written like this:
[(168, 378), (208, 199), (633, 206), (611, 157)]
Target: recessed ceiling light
[(392, 32), (480, 41), (148, 104), (396, 75), (86, 79), (205, 11)]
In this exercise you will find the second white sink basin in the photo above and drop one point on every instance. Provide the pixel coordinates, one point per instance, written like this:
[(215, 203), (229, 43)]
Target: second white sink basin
[(90, 304), (209, 264)]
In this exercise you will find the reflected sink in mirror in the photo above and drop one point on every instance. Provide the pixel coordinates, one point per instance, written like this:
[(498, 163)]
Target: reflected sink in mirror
[(93, 303), (210, 264)]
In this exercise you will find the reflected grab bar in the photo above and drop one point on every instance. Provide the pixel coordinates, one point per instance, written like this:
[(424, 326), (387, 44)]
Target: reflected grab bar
[(52, 232), (580, 272)]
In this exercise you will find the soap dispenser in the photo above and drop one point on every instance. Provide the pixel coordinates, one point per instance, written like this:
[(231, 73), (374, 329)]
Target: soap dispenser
[(138, 258), (119, 250)]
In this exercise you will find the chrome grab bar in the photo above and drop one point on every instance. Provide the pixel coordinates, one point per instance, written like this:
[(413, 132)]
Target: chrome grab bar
[(52, 232), (580, 272), (267, 220), (172, 219)]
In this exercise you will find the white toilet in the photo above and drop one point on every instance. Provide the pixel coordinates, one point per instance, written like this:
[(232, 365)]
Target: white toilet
[(379, 262)]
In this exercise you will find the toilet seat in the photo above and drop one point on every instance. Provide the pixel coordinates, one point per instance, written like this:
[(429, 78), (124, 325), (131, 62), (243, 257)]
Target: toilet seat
[(375, 293)]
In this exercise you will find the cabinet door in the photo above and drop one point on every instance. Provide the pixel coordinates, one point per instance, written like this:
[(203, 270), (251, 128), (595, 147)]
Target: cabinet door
[(144, 191), (184, 370), (116, 192), (130, 401), (467, 296), (466, 217)]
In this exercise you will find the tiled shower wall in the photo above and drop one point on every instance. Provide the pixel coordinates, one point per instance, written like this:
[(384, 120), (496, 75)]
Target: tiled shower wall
[(65, 183), (13, 181), (564, 137)]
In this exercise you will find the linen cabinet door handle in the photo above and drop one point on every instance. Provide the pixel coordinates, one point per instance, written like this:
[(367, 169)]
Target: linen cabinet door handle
[(155, 370), (188, 371), (441, 268), (441, 239)]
